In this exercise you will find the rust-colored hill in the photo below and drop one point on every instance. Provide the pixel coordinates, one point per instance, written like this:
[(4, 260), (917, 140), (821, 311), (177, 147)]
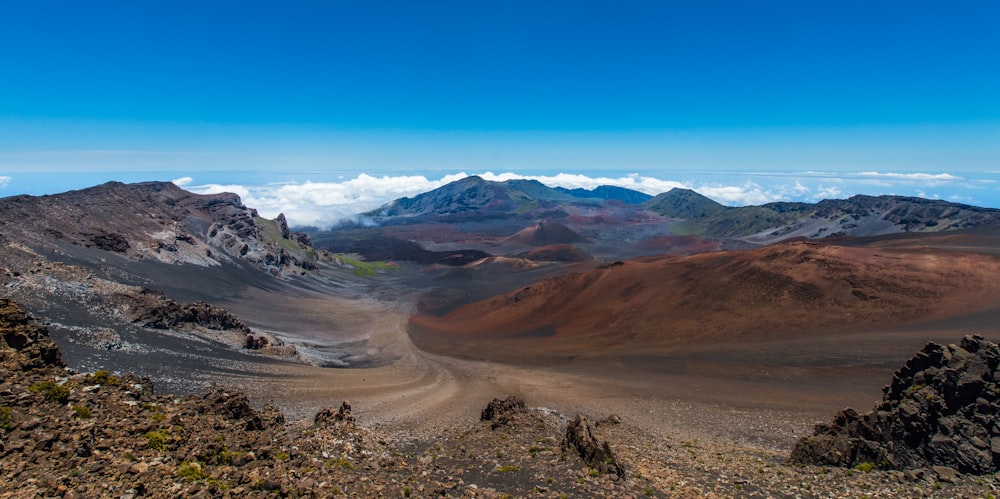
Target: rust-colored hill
[(790, 288), (544, 234), (557, 253)]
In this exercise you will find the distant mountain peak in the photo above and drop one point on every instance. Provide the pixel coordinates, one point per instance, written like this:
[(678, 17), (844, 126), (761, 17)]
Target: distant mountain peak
[(474, 194), (683, 203)]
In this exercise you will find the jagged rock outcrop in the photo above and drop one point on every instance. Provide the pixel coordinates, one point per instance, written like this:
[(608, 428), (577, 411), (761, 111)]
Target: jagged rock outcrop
[(598, 455), (501, 412), (941, 409), (110, 242), (235, 406), (154, 310), (256, 342), (156, 221), (24, 345), (330, 415)]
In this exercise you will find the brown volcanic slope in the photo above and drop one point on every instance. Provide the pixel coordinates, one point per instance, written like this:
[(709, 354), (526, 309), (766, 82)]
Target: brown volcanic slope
[(545, 234), (785, 289), (557, 253)]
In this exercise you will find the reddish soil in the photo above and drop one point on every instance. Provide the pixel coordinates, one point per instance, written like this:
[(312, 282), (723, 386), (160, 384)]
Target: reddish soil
[(558, 253), (544, 234), (785, 290), (681, 245)]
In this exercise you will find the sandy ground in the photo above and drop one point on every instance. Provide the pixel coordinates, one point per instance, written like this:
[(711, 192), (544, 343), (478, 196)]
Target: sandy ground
[(765, 393)]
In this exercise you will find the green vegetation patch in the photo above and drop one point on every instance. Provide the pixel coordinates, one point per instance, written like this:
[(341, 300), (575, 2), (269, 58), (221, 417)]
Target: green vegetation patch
[(54, 392), (158, 439), (191, 471), (743, 221), (365, 269), (103, 377), (865, 467), (82, 411), (271, 233), (6, 418)]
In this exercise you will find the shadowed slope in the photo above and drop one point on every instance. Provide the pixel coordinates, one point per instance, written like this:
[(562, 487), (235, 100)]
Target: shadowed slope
[(783, 289)]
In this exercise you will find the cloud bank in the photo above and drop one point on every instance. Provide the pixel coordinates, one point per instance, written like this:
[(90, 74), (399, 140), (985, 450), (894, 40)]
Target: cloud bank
[(4, 181), (323, 204)]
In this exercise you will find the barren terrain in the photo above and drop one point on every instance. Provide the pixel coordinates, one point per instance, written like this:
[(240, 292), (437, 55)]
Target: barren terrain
[(714, 364)]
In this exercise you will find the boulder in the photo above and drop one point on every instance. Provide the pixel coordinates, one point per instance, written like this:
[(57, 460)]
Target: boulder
[(255, 342), (940, 410), (598, 455), (503, 412), (24, 344), (330, 415)]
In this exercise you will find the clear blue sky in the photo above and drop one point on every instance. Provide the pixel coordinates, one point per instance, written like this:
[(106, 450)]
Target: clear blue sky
[(97, 90)]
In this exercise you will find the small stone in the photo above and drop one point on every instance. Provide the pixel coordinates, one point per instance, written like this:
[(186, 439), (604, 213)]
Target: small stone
[(946, 473), (995, 445)]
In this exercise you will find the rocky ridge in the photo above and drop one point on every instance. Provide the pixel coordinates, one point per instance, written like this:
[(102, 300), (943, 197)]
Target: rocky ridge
[(155, 221)]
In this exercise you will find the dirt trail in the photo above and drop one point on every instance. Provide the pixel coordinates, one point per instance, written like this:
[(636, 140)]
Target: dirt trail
[(421, 393), (764, 393)]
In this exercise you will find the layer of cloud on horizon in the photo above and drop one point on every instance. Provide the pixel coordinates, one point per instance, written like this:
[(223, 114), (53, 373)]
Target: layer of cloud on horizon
[(323, 204)]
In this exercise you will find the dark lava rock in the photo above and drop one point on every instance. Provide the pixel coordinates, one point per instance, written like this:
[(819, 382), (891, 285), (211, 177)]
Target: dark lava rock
[(24, 344), (331, 415), (941, 409), (597, 455), (255, 342), (502, 412), (154, 310), (110, 242)]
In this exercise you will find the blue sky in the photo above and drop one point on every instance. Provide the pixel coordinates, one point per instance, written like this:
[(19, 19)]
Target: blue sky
[(775, 100)]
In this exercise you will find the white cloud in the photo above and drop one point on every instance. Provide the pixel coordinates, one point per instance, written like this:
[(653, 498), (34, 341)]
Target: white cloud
[(4, 181), (748, 193), (323, 204), (916, 177), (826, 192), (648, 185), (181, 182)]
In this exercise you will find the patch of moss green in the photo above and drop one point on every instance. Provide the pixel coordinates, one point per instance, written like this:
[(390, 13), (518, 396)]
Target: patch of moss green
[(6, 418), (271, 233), (157, 439), (743, 221), (103, 377), (366, 269), (865, 467), (343, 463), (54, 392), (191, 471), (82, 411)]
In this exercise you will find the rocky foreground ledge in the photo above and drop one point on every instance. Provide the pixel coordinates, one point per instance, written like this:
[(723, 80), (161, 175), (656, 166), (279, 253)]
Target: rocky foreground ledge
[(941, 413), (68, 434)]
